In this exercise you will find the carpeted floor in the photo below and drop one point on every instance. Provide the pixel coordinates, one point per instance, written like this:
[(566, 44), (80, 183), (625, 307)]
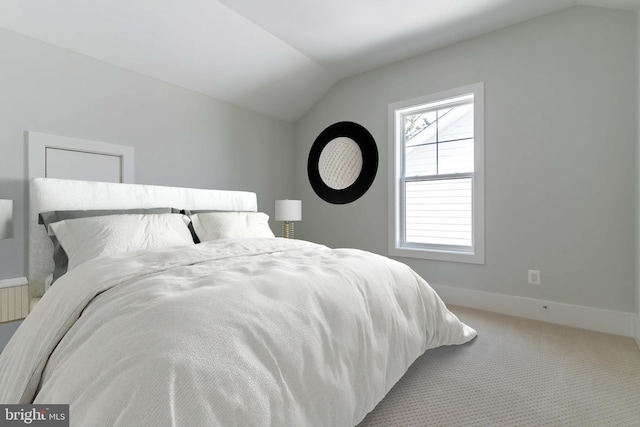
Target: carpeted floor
[(518, 372)]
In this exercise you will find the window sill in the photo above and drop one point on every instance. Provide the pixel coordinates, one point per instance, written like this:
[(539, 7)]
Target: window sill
[(436, 255)]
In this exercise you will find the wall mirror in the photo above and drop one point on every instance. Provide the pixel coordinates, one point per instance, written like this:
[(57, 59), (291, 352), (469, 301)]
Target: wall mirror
[(343, 162)]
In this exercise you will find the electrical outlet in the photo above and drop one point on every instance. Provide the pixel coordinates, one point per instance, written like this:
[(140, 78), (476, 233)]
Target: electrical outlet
[(534, 277)]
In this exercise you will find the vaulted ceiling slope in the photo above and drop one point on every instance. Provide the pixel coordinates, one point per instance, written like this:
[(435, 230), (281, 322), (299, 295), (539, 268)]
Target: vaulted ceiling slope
[(277, 57)]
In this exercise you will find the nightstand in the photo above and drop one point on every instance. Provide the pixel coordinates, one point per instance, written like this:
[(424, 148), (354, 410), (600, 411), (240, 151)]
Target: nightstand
[(14, 306)]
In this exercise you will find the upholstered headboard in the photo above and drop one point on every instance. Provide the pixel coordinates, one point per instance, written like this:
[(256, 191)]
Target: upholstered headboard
[(47, 194)]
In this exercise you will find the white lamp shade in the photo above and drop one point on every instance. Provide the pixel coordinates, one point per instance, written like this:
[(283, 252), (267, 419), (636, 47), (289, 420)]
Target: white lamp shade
[(6, 219), (288, 210)]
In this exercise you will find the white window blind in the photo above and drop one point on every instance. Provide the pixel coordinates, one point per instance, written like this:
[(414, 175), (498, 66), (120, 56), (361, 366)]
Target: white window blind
[(438, 212)]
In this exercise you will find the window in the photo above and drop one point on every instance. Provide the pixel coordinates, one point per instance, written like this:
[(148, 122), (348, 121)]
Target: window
[(437, 176)]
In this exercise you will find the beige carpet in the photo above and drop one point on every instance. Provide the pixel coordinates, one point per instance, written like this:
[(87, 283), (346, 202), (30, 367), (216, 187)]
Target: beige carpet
[(518, 372)]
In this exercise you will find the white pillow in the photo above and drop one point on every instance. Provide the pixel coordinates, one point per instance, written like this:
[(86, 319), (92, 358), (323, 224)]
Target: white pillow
[(227, 225), (84, 239), (47, 282)]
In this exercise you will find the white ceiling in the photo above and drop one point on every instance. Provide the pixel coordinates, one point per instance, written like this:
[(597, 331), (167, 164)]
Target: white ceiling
[(277, 57)]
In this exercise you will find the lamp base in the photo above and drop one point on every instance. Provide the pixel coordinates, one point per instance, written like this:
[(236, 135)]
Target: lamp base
[(287, 230)]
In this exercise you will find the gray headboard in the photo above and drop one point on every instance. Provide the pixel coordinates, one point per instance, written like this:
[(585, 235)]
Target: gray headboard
[(48, 194)]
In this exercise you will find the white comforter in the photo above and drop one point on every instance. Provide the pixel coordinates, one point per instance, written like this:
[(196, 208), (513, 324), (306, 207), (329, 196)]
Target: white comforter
[(257, 332)]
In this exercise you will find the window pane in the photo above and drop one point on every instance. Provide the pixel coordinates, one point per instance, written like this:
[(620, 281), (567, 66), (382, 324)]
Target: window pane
[(420, 160), (439, 142), (415, 126), (439, 212), (455, 123), (455, 157)]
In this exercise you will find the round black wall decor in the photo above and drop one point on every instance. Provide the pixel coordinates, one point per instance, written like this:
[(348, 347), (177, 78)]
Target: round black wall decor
[(343, 162)]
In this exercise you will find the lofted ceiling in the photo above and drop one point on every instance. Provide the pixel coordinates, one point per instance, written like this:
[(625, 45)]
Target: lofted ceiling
[(276, 57)]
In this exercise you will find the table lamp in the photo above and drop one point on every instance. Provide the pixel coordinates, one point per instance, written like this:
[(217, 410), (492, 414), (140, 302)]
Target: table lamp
[(288, 211)]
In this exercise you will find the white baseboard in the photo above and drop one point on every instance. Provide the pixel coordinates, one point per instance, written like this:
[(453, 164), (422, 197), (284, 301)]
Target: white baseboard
[(637, 335), (608, 321)]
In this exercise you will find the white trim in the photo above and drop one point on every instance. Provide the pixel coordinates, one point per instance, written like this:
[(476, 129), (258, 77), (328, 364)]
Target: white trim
[(395, 167), (37, 144), (10, 283), (594, 319), (436, 255), (637, 334)]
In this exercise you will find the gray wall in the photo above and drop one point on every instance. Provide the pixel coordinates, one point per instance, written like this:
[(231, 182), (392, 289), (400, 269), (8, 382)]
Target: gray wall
[(181, 138), (560, 156), (637, 325)]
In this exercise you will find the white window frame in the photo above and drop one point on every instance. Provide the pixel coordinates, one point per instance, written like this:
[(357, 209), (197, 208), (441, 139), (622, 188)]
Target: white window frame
[(396, 112)]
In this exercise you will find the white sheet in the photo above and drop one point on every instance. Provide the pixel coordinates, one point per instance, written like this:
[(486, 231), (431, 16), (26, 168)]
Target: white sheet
[(252, 332)]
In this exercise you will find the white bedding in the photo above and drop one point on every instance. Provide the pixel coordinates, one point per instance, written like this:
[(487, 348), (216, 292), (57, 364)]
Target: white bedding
[(251, 332)]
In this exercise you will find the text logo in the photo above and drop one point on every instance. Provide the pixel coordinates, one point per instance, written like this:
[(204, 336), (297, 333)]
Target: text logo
[(34, 415)]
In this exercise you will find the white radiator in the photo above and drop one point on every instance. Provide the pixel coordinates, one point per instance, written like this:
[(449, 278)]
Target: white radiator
[(14, 303)]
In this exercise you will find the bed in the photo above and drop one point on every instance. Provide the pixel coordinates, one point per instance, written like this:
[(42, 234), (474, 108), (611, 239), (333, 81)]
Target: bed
[(241, 329)]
